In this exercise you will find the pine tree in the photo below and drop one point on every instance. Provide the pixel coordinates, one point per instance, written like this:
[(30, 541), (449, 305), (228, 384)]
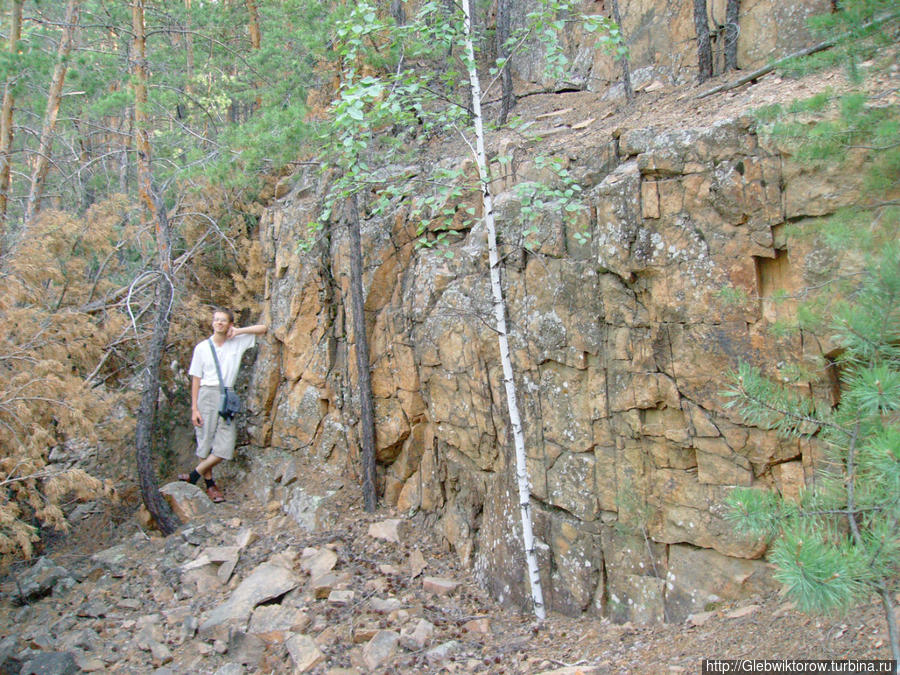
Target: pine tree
[(704, 47), (841, 542)]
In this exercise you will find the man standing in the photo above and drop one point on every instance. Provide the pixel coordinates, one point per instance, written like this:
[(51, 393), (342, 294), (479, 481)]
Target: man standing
[(216, 435)]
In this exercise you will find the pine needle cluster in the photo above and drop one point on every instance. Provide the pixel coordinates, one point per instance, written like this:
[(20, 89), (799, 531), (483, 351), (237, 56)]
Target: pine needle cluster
[(841, 542)]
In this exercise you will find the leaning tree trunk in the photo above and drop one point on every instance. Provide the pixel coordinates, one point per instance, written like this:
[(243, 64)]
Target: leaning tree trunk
[(54, 96), (704, 49), (508, 98), (146, 423), (732, 32), (6, 115), (626, 68), (499, 304), (364, 380), (146, 417)]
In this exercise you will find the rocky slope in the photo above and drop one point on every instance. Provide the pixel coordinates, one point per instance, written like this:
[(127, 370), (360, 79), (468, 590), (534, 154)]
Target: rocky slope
[(243, 588)]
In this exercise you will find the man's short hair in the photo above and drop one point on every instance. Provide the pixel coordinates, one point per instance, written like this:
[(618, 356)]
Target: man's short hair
[(227, 312)]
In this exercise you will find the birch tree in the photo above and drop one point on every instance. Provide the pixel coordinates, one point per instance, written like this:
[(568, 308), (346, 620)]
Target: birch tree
[(405, 97), (500, 311), (543, 22)]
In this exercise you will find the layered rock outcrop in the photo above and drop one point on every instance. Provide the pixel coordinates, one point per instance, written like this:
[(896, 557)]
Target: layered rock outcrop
[(661, 40), (626, 317)]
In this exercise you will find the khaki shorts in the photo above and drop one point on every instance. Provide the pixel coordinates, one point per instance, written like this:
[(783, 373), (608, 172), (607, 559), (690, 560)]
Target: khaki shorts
[(216, 434)]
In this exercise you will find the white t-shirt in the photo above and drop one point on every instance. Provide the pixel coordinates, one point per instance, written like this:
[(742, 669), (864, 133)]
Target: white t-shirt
[(229, 355)]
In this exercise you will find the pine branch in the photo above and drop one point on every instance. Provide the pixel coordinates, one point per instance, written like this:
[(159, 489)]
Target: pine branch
[(763, 403)]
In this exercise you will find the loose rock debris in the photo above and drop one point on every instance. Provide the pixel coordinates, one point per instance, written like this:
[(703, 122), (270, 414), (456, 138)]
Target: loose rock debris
[(243, 590)]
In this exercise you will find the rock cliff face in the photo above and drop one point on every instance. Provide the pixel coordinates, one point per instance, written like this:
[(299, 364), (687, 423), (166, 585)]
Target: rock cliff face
[(662, 44), (626, 318)]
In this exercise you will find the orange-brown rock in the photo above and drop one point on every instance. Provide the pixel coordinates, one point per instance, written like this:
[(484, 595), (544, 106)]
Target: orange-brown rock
[(622, 339)]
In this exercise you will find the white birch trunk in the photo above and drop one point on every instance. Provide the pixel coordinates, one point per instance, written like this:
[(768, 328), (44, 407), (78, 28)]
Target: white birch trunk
[(500, 316)]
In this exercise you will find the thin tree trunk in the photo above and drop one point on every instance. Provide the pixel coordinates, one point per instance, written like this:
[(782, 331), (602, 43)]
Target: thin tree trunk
[(508, 98), (732, 31), (84, 157), (189, 51), (142, 138), (125, 136), (887, 603), (54, 96), (146, 416), (253, 25), (6, 115), (146, 423), (500, 316), (366, 405), (704, 49), (626, 68), (255, 41)]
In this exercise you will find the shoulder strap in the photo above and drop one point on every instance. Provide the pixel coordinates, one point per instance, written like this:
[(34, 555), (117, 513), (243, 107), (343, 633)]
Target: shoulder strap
[(212, 348)]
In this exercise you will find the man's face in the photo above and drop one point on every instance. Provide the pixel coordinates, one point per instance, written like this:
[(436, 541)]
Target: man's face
[(220, 323)]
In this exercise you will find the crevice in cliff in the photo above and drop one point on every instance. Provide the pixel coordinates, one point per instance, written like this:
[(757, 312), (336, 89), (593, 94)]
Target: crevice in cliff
[(783, 460), (664, 328), (339, 369), (603, 586), (666, 586)]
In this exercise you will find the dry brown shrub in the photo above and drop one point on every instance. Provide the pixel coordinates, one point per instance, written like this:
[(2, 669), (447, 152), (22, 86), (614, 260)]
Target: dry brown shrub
[(53, 386), (76, 304)]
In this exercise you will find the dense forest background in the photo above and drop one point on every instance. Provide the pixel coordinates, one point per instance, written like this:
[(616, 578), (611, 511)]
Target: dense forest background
[(140, 142)]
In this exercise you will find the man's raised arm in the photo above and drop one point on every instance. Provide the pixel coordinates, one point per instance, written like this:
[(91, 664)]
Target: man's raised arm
[(257, 329)]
